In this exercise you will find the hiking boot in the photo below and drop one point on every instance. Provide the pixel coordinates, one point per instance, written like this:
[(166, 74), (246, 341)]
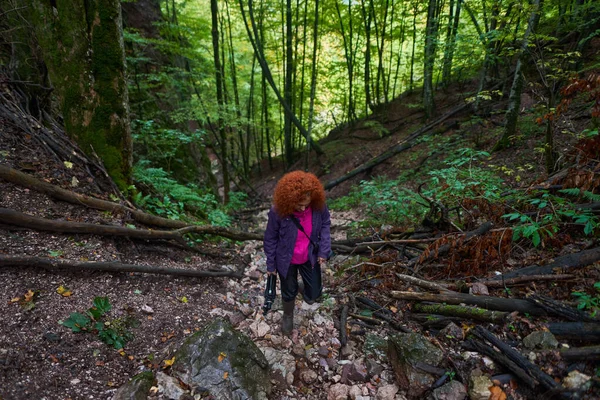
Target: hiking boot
[(287, 322)]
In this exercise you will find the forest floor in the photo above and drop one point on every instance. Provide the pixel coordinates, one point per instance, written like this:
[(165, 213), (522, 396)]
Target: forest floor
[(42, 359)]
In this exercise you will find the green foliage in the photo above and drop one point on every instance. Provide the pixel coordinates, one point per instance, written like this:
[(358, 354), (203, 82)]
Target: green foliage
[(549, 212), (387, 202), (589, 302), (376, 127), (383, 201), (172, 205), (462, 179), (112, 332)]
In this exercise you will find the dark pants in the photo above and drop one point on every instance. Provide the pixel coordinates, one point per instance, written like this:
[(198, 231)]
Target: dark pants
[(311, 278)]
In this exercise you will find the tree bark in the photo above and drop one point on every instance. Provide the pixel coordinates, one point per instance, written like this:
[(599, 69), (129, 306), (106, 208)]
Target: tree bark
[(86, 64)]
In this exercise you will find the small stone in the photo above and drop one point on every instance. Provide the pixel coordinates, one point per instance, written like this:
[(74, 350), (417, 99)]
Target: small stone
[(147, 309), (308, 376), (387, 392), (323, 351), (338, 392), (576, 380)]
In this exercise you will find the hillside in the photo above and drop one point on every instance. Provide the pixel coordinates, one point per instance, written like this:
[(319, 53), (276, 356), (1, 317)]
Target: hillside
[(42, 359)]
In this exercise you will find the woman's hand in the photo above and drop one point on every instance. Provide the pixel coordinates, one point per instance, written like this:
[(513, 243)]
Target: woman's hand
[(322, 261), (271, 272)]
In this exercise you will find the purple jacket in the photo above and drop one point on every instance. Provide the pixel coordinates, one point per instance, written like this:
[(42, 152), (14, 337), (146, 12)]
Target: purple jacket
[(280, 239)]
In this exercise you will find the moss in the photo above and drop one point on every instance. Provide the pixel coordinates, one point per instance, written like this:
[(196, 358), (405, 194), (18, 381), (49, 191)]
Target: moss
[(89, 76)]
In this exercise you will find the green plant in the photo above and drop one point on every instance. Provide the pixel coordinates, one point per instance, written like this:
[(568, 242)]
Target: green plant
[(112, 332), (550, 211), (588, 302)]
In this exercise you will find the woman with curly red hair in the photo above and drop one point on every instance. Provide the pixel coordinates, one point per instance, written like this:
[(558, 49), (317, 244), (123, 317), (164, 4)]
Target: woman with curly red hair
[(297, 239)]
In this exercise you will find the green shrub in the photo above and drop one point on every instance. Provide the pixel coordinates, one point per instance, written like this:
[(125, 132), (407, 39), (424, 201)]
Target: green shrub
[(112, 332)]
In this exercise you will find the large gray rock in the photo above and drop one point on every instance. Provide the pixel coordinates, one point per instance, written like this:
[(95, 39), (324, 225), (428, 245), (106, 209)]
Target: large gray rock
[(407, 351), (136, 388), (224, 363)]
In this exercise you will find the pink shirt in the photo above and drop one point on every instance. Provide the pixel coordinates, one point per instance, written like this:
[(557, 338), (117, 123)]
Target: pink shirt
[(300, 255)]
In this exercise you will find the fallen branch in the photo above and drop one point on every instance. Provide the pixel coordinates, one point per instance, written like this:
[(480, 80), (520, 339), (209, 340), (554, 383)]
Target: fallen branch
[(533, 370), (560, 264), (586, 331), (22, 179), (483, 348), (581, 353), (54, 264), (343, 319), (372, 321), (513, 281), (487, 302), (422, 283), (559, 309), (27, 221), (474, 313), (382, 313), (58, 193)]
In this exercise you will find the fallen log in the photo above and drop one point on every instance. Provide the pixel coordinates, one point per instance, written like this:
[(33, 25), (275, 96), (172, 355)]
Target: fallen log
[(392, 151), (561, 310), (581, 353), (58, 193), (54, 264), (560, 264), (369, 320), (423, 283), (25, 180), (584, 331), (474, 313), (487, 302), (12, 217), (512, 281), (533, 370), (483, 348)]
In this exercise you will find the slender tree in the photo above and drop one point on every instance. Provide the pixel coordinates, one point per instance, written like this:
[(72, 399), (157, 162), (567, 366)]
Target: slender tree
[(431, 30), (514, 99), (214, 12)]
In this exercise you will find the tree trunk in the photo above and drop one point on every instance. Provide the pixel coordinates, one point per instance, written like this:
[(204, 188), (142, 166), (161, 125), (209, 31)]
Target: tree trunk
[(85, 63), (214, 10), (287, 86), (451, 42), (514, 99), (429, 60)]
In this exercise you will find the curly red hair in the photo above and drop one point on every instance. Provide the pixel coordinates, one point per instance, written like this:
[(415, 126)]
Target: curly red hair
[(292, 187)]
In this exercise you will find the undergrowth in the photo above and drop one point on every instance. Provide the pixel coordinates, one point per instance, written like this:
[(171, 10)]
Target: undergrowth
[(390, 201), (173, 199)]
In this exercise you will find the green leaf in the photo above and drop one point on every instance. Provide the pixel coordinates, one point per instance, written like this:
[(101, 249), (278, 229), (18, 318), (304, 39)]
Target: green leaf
[(366, 313), (102, 304), (77, 322), (536, 240)]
